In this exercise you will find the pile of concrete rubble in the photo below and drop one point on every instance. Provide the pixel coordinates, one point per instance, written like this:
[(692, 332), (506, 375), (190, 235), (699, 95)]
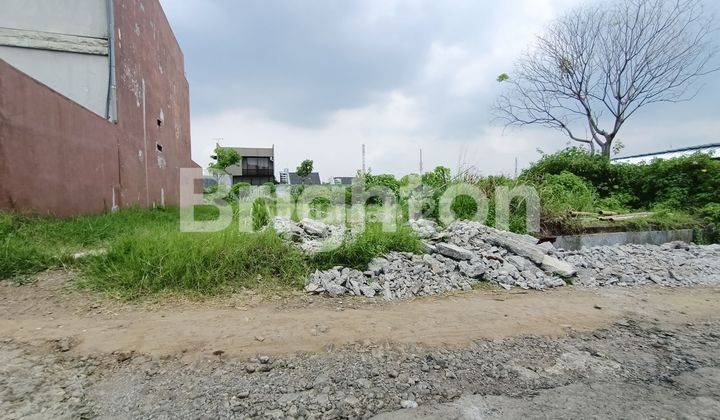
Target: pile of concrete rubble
[(467, 253), (456, 259), (673, 264), (309, 235)]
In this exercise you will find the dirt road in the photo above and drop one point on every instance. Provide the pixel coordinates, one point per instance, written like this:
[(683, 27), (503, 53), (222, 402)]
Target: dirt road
[(66, 353)]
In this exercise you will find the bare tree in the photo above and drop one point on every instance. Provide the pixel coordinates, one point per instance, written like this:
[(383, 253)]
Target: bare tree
[(596, 66)]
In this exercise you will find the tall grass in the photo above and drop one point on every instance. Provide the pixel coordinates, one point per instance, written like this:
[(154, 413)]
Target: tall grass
[(160, 260), (368, 245), (32, 244), (147, 254)]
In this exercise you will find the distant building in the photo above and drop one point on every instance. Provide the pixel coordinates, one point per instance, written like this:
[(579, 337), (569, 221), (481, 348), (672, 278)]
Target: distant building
[(94, 107), (257, 166), (713, 149), (285, 176), (292, 178), (343, 180)]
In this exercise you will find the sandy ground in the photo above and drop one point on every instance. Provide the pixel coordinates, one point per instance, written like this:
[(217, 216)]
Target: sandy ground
[(646, 352), (247, 325)]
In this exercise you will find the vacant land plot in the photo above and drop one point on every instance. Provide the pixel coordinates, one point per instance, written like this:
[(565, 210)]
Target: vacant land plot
[(69, 353)]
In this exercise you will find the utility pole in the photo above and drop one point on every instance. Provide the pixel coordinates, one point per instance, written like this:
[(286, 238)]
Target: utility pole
[(363, 159), (516, 167), (421, 162)]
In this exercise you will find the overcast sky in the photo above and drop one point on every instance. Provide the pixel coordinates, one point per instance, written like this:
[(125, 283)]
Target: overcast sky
[(320, 78)]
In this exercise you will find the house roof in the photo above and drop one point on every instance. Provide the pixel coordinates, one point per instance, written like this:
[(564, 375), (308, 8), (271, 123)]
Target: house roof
[(255, 151), (312, 179)]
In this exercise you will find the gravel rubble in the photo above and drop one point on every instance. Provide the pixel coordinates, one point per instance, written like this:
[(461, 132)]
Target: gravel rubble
[(363, 380), (467, 253)]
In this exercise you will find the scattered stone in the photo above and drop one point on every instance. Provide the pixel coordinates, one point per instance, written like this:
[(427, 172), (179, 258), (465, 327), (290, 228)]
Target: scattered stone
[(309, 235), (315, 228), (88, 254), (454, 251), (123, 356), (63, 345), (469, 252), (408, 404), (671, 264), (424, 228)]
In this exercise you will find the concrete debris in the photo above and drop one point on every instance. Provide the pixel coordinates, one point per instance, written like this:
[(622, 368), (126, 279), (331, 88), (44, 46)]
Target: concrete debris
[(89, 254), (455, 260), (673, 264), (467, 253), (425, 229), (453, 251), (308, 235)]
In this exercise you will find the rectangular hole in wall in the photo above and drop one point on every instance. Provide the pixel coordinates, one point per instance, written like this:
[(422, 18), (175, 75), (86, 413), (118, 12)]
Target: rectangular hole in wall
[(159, 147)]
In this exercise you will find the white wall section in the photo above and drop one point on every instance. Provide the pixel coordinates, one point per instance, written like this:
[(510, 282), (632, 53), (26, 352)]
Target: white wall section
[(62, 44)]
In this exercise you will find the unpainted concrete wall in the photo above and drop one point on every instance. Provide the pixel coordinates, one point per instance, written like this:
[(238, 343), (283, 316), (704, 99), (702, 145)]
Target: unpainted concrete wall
[(576, 242), (59, 158), (73, 17), (83, 78)]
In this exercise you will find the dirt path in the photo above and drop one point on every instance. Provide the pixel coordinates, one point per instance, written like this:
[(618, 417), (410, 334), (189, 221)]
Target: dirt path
[(646, 352), (248, 326)]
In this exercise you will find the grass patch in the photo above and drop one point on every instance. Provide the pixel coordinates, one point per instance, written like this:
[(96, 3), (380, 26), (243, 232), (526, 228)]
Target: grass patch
[(29, 245), (20, 258), (368, 245), (204, 264), (147, 254)]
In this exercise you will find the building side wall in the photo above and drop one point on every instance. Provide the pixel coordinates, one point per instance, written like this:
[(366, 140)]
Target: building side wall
[(147, 55), (57, 157)]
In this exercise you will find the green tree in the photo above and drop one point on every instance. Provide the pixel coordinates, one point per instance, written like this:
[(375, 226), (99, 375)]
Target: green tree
[(224, 157), (305, 168)]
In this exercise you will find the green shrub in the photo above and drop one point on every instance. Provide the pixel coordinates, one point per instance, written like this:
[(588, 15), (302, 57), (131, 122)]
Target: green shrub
[(319, 207), (384, 180), (464, 207), (710, 214), (617, 202), (599, 171), (685, 183), (271, 187), (169, 261), (690, 182), (240, 189), (212, 189), (560, 194)]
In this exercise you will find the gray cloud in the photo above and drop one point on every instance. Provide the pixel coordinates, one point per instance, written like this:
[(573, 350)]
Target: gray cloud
[(312, 75)]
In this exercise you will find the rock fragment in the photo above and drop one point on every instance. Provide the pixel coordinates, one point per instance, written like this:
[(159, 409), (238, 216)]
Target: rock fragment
[(453, 251)]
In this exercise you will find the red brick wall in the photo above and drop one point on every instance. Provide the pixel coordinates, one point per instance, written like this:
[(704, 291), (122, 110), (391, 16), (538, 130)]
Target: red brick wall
[(59, 158)]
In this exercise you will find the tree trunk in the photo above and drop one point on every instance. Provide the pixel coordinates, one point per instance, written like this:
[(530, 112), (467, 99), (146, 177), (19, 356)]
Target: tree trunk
[(607, 148)]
